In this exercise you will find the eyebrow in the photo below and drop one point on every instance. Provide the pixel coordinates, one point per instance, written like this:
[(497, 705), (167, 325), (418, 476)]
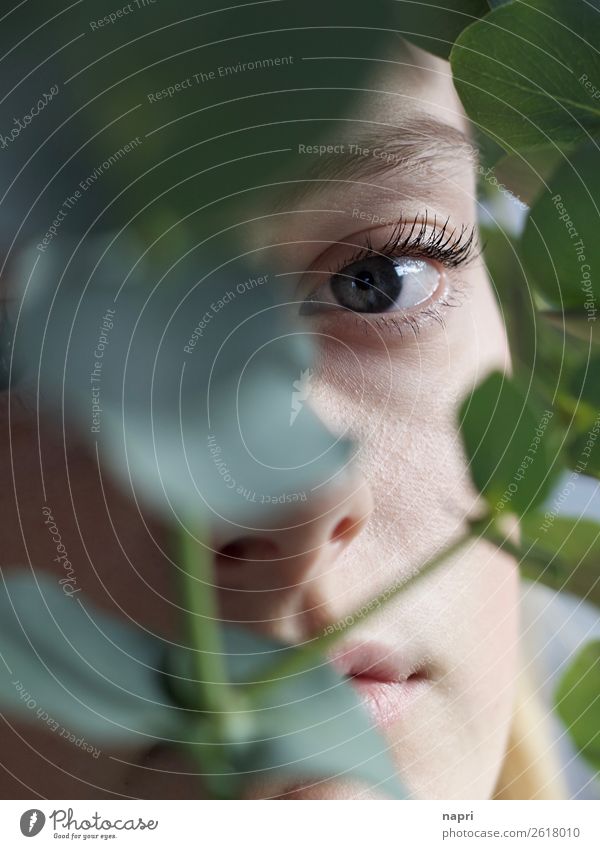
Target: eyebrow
[(423, 149)]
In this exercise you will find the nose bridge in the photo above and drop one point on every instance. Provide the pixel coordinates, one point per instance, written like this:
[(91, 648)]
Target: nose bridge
[(314, 532)]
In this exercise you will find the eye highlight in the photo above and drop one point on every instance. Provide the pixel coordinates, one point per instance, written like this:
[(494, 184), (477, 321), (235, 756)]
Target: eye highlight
[(406, 272)]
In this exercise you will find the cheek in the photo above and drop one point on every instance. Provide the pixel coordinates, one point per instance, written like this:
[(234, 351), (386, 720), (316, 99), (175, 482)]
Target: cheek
[(493, 633), (453, 743), (484, 664)]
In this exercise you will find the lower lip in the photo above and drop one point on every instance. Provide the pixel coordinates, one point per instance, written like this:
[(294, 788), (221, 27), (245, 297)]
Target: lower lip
[(388, 701)]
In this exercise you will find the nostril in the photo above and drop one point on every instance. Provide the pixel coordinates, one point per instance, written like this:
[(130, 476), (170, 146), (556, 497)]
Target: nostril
[(247, 549), (345, 529)]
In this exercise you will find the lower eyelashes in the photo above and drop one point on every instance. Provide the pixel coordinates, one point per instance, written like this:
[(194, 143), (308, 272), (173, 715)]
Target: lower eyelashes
[(409, 322)]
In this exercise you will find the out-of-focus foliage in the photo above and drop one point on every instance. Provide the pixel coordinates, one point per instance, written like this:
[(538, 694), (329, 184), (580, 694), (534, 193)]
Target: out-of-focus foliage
[(103, 678), (577, 702)]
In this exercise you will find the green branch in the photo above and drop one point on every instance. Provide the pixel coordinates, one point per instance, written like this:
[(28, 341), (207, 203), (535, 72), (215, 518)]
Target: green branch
[(301, 659), (203, 625)]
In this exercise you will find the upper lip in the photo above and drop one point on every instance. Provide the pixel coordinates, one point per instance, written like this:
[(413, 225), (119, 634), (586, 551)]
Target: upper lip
[(373, 661)]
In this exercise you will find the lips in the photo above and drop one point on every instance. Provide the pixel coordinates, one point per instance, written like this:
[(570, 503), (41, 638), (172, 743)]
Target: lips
[(382, 677)]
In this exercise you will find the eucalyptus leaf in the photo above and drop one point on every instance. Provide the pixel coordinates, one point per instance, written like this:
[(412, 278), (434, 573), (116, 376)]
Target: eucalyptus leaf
[(577, 701), (310, 726), (196, 87), (505, 443), (63, 660), (560, 246), (521, 72), (563, 553), (194, 391)]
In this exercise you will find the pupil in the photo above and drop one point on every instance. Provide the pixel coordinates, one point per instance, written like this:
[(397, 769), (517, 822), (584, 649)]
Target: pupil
[(364, 281), (369, 285)]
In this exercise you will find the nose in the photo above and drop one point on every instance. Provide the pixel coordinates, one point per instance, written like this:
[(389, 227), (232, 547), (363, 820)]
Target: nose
[(307, 539)]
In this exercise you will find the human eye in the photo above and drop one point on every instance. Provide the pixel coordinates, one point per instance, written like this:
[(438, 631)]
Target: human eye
[(402, 274)]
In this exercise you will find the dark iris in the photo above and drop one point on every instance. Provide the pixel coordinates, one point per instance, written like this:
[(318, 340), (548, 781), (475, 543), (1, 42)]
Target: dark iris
[(369, 285)]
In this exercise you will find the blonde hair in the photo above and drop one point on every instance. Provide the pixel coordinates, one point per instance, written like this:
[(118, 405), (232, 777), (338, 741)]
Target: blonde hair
[(531, 769)]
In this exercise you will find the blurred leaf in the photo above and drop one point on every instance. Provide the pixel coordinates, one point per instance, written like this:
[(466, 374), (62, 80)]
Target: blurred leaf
[(583, 450), (218, 95), (563, 553), (514, 294), (585, 384), (434, 25), (311, 725), (191, 383), (92, 673), (574, 323), (560, 247), (101, 678), (521, 72), (506, 446), (578, 702)]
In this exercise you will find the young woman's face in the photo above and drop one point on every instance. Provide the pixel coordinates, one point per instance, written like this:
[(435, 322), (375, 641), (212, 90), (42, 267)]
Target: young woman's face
[(399, 345)]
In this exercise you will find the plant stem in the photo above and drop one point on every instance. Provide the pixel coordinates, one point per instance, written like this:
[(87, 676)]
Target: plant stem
[(298, 660), (204, 630)]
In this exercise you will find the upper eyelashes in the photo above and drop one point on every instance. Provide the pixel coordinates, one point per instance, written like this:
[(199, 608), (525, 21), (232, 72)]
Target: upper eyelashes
[(450, 246), (405, 273)]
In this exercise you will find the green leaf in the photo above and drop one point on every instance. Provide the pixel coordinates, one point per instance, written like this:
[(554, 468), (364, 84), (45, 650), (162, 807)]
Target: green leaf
[(560, 245), (79, 667), (526, 72), (190, 403), (573, 323), (505, 443), (311, 725), (65, 662), (585, 384), (563, 553), (583, 450), (435, 25), (578, 702), (514, 296)]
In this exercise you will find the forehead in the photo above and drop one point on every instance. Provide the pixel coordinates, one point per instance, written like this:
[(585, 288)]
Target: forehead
[(404, 115), (407, 82)]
